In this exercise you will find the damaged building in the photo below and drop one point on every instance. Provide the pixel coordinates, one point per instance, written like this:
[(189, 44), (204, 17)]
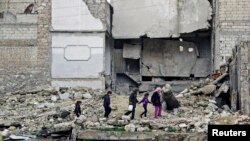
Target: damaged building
[(117, 45), (158, 42), (81, 40)]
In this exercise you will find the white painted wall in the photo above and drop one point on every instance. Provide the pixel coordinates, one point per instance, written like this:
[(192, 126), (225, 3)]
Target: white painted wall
[(77, 56), (73, 15)]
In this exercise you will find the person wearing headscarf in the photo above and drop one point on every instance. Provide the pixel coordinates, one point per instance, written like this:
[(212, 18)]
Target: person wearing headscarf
[(156, 101)]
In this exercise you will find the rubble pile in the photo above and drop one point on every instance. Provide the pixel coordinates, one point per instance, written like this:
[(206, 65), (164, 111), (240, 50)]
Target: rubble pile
[(49, 111), (45, 111)]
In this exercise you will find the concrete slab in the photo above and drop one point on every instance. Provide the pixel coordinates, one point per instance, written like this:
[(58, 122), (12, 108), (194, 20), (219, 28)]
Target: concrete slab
[(194, 15), (159, 18), (168, 58), (131, 51)]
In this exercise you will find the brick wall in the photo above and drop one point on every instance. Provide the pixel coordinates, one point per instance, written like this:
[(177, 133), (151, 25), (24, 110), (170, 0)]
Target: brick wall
[(44, 40), (18, 31), (25, 51), (232, 25)]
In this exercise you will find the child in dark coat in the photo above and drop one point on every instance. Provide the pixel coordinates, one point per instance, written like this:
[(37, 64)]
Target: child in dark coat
[(145, 102), (77, 110), (106, 104), (132, 101)]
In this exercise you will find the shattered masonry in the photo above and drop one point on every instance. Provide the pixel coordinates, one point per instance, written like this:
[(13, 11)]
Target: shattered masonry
[(36, 51), (22, 114), (26, 40)]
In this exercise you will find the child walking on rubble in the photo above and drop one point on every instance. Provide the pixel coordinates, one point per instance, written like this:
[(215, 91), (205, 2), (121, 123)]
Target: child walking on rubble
[(106, 104), (145, 102), (77, 110), (132, 101)]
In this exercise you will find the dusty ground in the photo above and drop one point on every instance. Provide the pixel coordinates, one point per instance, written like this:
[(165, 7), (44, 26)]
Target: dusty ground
[(122, 102), (25, 113)]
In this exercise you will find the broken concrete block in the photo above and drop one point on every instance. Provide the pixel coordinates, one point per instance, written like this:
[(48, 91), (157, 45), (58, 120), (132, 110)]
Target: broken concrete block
[(130, 128), (208, 89), (64, 96), (182, 125), (5, 133), (131, 51), (184, 91), (54, 98), (87, 96)]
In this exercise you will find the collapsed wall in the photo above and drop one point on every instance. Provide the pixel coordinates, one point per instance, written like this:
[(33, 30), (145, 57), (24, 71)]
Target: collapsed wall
[(161, 18), (145, 53)]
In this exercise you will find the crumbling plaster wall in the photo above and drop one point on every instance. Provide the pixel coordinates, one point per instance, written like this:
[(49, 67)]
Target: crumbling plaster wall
[(79, 43), (24, 49), (232, 25), (100, 9), (161, 18), (80, 15)]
